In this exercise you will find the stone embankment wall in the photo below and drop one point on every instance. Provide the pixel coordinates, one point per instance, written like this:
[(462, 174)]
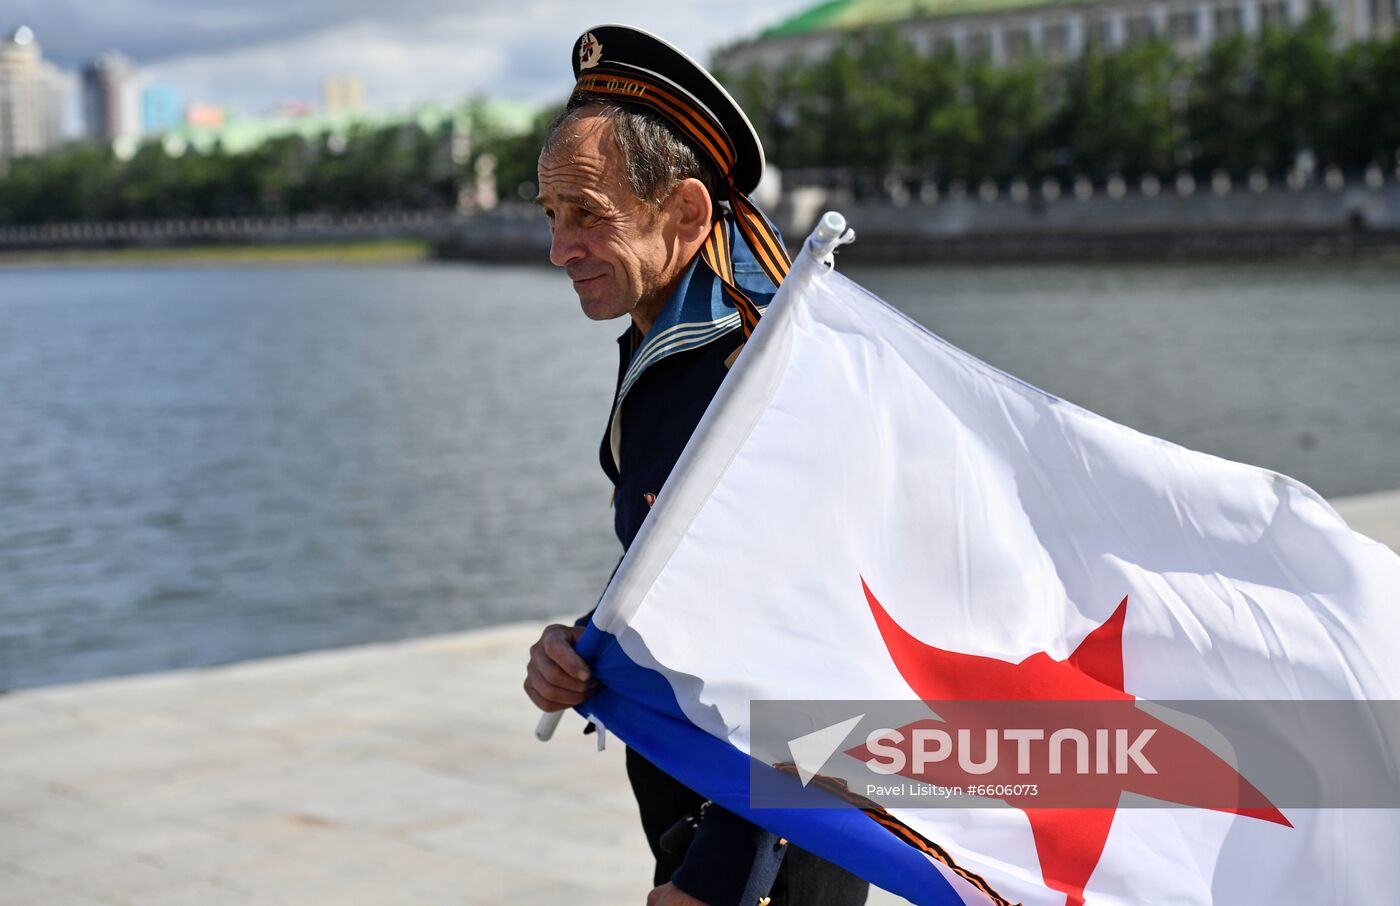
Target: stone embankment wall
[(1176, 219), (302, 228)]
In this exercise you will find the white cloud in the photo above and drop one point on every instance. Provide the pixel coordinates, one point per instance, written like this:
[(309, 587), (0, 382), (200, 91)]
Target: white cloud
[(519, 50), (395, 72)]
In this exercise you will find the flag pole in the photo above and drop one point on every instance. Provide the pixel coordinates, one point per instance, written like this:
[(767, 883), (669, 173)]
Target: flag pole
[(829, 233), (549, 721)]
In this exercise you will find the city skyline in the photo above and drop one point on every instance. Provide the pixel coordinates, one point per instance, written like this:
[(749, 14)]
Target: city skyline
[(250, 58)]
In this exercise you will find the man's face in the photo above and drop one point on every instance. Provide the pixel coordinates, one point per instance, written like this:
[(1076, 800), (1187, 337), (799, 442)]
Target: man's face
[(617, 250)]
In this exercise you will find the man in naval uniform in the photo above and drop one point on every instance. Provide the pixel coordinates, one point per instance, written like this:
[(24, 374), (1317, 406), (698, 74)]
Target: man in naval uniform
[(644, 179)]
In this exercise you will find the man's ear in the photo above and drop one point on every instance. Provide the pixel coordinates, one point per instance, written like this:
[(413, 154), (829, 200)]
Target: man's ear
[(690, 201)]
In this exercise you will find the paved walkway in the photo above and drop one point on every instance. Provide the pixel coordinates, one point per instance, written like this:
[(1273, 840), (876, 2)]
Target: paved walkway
[(385, 774)]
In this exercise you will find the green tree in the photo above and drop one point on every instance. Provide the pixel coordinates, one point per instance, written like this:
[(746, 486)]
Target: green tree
[(517, 155), (1118, 114), (1298, 77), (1225, 112), (1011, 116)]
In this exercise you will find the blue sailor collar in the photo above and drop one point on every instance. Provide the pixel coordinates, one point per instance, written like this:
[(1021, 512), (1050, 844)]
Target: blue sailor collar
[(697, 313)]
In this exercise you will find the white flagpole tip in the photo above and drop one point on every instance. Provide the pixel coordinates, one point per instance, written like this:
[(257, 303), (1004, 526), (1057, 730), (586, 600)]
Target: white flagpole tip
[(829, 233), (830, 227)]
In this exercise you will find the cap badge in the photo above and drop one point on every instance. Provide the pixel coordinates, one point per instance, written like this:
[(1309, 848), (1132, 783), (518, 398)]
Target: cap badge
[(590, 52)]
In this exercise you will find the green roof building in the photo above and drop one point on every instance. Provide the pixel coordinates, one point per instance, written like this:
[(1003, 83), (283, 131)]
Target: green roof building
[(1006, 30), (240, 135)]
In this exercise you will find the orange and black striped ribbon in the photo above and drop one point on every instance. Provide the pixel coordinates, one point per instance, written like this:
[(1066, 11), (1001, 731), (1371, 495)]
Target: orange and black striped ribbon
[(877, 813), (754, 227)]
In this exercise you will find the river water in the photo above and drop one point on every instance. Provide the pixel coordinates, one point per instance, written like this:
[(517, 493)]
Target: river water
[(205, 464)]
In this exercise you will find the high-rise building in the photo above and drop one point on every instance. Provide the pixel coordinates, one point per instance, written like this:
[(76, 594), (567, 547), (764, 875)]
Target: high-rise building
[(111, 98), (32, 96), (342, 94), (161, 110)]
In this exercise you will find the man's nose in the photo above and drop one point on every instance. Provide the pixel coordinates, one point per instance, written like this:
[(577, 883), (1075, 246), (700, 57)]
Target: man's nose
[(564, 247)]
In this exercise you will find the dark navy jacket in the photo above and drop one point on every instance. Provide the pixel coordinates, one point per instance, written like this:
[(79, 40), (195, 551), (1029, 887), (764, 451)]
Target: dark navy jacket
[(665, 382)]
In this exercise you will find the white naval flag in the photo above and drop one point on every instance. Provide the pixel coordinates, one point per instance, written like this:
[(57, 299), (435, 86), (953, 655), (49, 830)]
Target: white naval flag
[(869, 513)]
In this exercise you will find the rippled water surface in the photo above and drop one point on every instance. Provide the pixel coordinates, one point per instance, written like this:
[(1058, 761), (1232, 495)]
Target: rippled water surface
[(200, 465)]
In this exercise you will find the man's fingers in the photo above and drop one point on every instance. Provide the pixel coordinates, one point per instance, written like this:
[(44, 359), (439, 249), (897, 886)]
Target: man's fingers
[(560, 648), (564, 698), (552, 698), (552, 672), (567, 691), (556, 677), (669, 894), (555, 658)]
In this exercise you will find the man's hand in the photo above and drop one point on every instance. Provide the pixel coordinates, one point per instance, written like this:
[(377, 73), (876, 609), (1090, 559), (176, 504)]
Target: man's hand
[(669, 894), (557, 678)]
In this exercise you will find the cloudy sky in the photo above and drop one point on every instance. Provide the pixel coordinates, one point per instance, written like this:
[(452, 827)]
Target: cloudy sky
[(251, 55)]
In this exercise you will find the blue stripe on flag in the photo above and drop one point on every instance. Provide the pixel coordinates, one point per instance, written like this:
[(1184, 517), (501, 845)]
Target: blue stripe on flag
[(639, 706)]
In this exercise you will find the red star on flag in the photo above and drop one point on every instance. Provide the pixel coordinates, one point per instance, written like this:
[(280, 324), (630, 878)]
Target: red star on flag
[(1069, 841)]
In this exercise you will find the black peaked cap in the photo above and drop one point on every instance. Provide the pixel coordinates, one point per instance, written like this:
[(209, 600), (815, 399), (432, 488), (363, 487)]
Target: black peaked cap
[(622, 48)]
